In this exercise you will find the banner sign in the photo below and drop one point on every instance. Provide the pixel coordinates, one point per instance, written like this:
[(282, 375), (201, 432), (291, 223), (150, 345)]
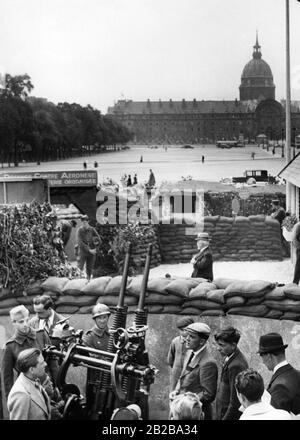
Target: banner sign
[(59, 178)]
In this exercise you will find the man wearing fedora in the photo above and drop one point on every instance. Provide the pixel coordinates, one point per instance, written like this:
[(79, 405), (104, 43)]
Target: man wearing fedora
[(178, 350), (199, 372), (203, 261), (88, 240), (284, 386)]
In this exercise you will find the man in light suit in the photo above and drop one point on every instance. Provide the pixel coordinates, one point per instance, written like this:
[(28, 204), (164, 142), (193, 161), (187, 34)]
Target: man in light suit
[(284, 386), (46, 318), (27, 399), (200, 372)]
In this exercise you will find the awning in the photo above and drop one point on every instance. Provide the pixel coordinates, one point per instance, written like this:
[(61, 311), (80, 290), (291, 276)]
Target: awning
[(291, 172)]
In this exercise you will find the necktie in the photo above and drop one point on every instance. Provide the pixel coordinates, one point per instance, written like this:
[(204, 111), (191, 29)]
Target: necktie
[(191, 358), (46, 326)]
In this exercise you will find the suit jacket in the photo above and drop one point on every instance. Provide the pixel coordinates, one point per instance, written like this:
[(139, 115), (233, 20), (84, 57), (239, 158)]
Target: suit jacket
[(27, 402), (200, 376), (227, 402), (284, 388), (175, 359), (13, 348), (203, 267), (35, 321)]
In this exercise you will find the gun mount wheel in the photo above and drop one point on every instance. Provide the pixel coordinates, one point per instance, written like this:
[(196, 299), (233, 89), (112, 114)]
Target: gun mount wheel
[(120, 338)]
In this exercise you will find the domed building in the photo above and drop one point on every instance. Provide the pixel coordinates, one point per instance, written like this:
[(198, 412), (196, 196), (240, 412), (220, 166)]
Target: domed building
[(198, 121), (257, 79)]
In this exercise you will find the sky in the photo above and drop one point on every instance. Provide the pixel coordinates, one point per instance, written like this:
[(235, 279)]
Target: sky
[(99, 51)]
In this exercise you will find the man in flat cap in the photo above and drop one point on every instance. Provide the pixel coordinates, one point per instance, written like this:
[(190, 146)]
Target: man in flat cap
[(178, 350), (200, 372), (284, 386), (203, 261), (88, 240)]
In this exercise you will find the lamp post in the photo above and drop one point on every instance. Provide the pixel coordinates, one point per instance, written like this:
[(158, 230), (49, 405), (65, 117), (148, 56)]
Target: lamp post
[(288, 105)]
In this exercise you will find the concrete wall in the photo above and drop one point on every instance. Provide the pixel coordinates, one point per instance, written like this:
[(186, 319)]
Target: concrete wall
[(163, 328), (240, 239)]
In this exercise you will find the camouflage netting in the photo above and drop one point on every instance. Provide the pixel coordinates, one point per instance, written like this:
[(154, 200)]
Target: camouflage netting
[(188, 296)]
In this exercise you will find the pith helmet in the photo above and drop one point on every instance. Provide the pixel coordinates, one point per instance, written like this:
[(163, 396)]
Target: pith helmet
[(100, 309)]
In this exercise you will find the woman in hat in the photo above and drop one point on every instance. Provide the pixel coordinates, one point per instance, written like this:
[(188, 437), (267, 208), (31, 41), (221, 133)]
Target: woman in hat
[(203, 261)]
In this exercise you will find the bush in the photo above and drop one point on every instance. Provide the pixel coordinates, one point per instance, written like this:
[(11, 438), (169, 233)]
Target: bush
[(27, 247)]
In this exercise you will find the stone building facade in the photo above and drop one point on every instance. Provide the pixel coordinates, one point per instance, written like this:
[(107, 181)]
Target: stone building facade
[(199, 121)]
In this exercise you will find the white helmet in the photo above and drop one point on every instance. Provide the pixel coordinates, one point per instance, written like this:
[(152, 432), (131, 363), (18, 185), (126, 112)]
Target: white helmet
[(100, 309)]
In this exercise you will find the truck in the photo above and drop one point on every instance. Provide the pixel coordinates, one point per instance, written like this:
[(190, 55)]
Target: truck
[(253, 176)]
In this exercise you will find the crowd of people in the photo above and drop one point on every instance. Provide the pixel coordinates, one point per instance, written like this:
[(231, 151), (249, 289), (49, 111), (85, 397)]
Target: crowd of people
[(197, 390), (240, 393)]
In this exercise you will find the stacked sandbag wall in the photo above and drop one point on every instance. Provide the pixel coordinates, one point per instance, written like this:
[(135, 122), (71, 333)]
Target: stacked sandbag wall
[(256, 237), (188, 296), (257, 203)]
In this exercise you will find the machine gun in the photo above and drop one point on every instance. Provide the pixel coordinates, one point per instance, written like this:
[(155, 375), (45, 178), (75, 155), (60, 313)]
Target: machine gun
[(127, 373)]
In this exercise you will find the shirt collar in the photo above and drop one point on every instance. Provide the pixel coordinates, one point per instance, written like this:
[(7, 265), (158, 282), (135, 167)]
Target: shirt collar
[(50, 319), (229, 357), (99, 332), (281, 364), (199, 351)]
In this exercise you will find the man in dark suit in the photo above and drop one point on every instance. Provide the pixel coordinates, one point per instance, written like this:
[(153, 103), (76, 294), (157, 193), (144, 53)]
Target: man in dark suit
[(227, 402), (46, 318), (199, 372), (203, 261), (284, 386)]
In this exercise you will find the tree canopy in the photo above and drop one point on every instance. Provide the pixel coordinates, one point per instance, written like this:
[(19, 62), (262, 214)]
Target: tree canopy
[(35, 129)]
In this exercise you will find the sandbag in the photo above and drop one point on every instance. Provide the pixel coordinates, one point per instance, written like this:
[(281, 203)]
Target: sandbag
[(5, 311), (155, 309), (286, 305), (222, 283), (202, 304), (84, 300), (157, 298), (201, 290), (276, 294), (170, 308), (273, 314), (25, 300), (213, 312), (85, 309), (34, 288), (235, 301), (135, 286), (290, 316), (9, 302), (114, 285), (73, 287), (96, 286), (248, 289), (158, 285), (254, 301), (292, 291), (112, 300), (190, 311), (216, 296), (68, 310), (54, 284), (255, 311), (181, 287)]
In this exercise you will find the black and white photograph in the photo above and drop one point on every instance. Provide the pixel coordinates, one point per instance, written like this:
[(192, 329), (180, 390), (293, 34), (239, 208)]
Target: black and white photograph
[(149, 213)]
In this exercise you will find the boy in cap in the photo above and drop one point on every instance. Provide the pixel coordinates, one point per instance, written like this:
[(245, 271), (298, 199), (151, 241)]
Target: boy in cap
[(284, 386), (200, 372), (203, 261), (177, 350)]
